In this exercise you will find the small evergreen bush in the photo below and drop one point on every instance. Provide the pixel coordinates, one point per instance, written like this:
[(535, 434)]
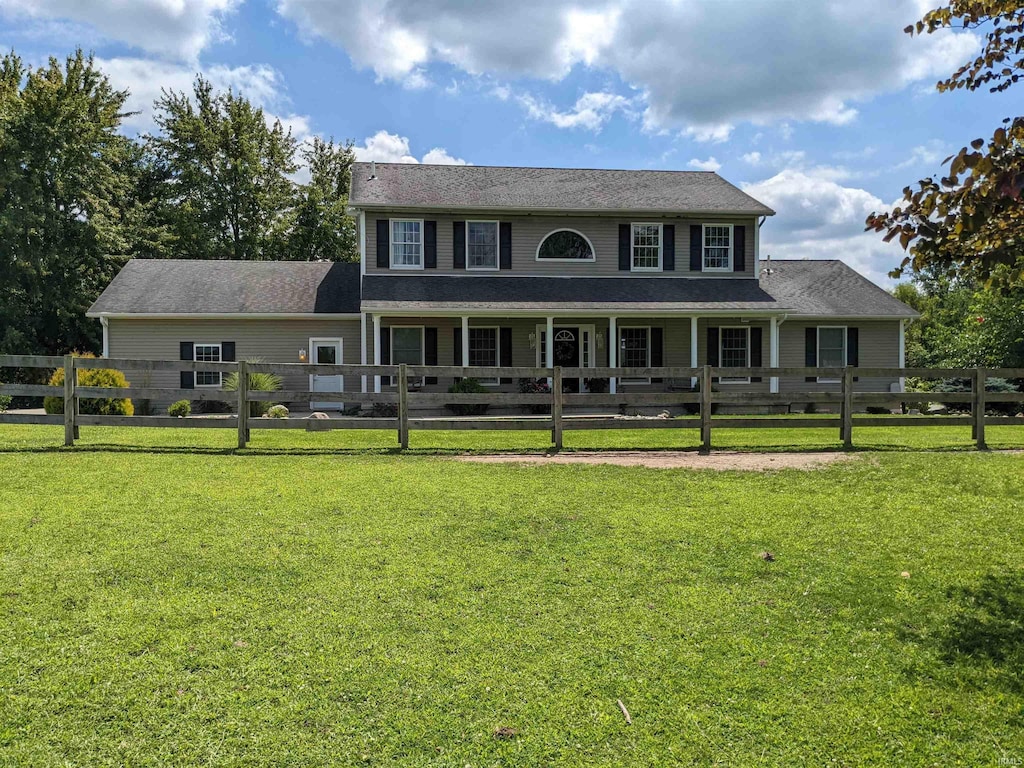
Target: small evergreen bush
[(92, 377), (277, 412), (258, 382), (180, 409), (468, 386)]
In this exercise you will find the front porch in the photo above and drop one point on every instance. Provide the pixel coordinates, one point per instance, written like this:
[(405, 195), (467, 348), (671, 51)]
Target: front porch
[(577, 341)]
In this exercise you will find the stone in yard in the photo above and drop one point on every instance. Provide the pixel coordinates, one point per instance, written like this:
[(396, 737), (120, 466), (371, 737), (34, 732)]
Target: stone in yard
[(938, 408), (318, 415), (914, 412)]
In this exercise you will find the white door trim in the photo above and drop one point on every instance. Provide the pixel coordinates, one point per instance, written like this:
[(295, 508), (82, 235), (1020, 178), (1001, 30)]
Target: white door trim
[(329, 382)]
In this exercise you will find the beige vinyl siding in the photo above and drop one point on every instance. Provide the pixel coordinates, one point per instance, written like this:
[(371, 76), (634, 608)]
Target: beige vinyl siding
[(529, 231), (273, 341), (878, 345)]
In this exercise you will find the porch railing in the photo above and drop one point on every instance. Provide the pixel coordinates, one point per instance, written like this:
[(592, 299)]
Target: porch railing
[(402, 403)]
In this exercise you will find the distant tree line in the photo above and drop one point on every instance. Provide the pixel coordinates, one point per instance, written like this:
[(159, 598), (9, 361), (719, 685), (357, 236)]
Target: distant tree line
[(78, 197)]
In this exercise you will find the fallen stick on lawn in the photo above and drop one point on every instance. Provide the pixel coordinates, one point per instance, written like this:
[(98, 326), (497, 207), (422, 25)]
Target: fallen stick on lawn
[(629, 720)]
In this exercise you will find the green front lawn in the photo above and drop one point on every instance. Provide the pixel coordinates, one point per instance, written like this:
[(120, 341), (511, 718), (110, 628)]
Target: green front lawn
[(165, 599)]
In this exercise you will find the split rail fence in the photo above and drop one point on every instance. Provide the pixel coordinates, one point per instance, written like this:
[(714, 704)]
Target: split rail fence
[(405, 402)]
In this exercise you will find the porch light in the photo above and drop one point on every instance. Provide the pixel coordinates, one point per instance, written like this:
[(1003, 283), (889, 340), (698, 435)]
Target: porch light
[(302, 355), (599, 338), (533, 340)]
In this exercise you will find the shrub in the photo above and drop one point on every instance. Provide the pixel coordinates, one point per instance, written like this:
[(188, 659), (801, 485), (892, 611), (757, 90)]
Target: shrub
[(92, 377), (468, 386), (811, 408), (878, 409), (211, 406), (384, 410), (258, 382), (535, 387), (277, 412), (596, 386), (180, 409), (5, 401)]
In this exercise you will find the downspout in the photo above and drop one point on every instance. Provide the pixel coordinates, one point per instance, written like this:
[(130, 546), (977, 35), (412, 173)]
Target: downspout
[(106, 336)]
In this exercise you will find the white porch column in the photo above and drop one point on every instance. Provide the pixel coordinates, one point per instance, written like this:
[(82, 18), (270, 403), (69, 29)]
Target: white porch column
[(465, 341), (362, 346), (773, 353), (693, 349), (903, 353), (376, 350), (613, 352), (549, 346)]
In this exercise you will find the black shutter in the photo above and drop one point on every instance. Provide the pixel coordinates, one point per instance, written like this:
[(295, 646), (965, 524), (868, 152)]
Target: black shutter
[(227, 351), (739, 249), (625, 245), (853, 348), (459, 244), (505, 245), (668, 247), (696, 248), (712, 352), (186, 352), (505, 350), (385, 352), (457, 350), (811, 350), (383, 243), (756, 339), (430, 351), (430, 244), (657, 351)]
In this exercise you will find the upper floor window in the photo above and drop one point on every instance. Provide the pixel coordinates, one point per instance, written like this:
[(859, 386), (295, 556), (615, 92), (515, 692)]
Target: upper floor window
[(406, 244), (718, 247), (565, 245), (481, 245), (646, 248)]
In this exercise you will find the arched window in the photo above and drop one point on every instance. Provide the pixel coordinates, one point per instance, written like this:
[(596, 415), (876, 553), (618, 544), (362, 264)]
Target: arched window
[(565, 245)]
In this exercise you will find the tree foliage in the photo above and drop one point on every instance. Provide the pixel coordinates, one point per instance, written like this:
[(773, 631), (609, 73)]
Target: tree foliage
[(970, 222), (321, 230), (65, 180)]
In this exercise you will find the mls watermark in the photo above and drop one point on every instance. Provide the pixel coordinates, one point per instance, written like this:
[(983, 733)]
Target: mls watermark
[(1010, 761)]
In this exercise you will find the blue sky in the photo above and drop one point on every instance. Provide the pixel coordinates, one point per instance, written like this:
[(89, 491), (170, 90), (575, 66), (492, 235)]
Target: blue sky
[(824, 110)]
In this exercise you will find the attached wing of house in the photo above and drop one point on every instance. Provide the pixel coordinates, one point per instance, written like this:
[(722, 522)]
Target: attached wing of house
[(486, 266)]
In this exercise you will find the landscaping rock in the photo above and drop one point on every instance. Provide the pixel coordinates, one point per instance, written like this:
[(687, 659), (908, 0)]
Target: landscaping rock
[(318, 415), (914, 412), (938, 409)]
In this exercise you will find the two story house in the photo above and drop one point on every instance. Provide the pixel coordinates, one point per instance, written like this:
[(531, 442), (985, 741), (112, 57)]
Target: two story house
[(488, 266)]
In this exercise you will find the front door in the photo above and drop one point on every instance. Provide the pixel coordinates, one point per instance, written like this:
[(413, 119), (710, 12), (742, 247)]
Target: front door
[(567, 354), (325, 352)]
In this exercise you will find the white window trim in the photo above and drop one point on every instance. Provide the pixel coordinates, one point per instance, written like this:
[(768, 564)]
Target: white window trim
[(391, 349), (817, 348), (632, 246), (593, 252), (220, 359), (391, 244), (620, 352), (497, 350), (497, 245), (733, 379), (704, 245)]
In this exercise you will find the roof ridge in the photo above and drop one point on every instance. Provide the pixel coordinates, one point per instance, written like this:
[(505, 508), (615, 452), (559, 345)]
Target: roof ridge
[(470, 166)]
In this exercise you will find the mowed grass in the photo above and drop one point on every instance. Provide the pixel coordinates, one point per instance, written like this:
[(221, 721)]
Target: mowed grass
[(319, 599)]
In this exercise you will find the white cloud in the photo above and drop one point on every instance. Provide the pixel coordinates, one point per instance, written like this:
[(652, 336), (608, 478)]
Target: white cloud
[(590, 112), (931, 153), (818, 218), (178, 29), (753, 158), (699, 69), (387, 147), (711, 164), (145, 78)]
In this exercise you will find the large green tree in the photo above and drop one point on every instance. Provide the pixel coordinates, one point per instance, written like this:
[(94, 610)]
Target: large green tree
[(970, 222), (320, 229), (227, 189), (65, 176)]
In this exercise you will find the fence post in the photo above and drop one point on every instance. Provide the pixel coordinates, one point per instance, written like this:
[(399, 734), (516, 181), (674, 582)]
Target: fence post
[(846, 431), (243, 404), (556, 408), (705, 409), (403, 406), (980, 376), (69, 400)]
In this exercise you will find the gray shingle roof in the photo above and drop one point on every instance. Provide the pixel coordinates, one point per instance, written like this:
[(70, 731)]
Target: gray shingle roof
[(408, 292), (479, 187), (158, 286), (829, 288)]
